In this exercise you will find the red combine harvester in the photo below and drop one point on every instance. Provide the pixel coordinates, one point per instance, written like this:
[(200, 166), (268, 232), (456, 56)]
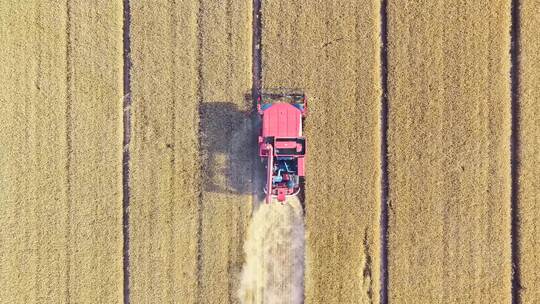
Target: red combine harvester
[(281, 144)]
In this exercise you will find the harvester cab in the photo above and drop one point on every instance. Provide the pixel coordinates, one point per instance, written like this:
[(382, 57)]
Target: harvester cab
[(282, 146)]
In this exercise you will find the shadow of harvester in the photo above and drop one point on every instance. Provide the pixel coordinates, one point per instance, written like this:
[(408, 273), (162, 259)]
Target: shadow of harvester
[(229, 148)]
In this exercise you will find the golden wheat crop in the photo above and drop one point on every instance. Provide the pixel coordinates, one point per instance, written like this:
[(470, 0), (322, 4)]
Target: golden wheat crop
[(194, 176), (190, 201), (449, 128), (529, 152), (226, 145), (331, 50), (165, 182), (60, 129)]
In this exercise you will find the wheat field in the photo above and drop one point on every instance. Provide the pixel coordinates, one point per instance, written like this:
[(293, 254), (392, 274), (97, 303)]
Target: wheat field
[(128, 152)]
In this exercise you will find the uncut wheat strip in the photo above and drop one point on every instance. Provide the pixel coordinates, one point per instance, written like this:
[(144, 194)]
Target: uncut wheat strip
[(331, 51), (94, 76), (164, 152), (54, 252), (95, 139), (34, 205), (449, 172), (529, 153), (226, 144)]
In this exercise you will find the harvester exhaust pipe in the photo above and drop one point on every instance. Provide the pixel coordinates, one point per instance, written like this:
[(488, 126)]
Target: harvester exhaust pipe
[(269, 173)]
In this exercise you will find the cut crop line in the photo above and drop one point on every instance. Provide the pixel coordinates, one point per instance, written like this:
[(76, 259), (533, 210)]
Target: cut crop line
[(257, 51), (256, 87), (515, 150), (173, 26), (125, 144), (384, 154), (69, 144), (200, 202)]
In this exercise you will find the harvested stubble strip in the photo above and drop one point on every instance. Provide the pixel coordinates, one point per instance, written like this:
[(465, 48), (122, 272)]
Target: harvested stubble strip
[(165, 176), (274, 269), (60, 136), (331, 51), (529, 153), (449, 169)]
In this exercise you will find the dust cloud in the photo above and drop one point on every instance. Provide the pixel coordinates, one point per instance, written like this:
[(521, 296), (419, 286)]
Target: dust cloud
[(273, 272)]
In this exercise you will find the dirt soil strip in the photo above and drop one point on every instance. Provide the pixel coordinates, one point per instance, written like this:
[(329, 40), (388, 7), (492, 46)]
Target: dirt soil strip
[(227, 144), (60, 128), (449, 152), (332, 52), (529, 152), (165, 175), (126, 141)]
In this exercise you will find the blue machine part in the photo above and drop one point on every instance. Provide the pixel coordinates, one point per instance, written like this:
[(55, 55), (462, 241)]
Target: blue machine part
[(284, 166), (266, 106), (290, 184), (299, 106), (278, 178), (284, 158), (296, 105)]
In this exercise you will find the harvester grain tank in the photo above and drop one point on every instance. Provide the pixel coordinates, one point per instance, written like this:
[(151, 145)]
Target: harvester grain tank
[(282, 147)]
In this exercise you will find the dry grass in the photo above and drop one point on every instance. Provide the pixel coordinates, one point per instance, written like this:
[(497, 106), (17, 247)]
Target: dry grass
[(529, 190), (60, 172), (332, 51), (449, 152)]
